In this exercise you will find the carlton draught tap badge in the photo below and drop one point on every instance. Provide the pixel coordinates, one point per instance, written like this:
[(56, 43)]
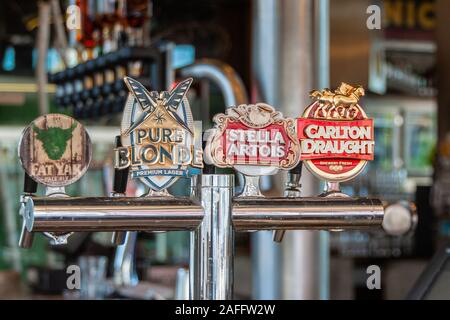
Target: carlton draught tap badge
[(158, 135), (55, 150), (336, 137), (254, 139)]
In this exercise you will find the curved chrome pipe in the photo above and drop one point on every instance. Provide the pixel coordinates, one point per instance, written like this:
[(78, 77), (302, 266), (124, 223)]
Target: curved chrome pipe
[(223, 75), (111, 214)]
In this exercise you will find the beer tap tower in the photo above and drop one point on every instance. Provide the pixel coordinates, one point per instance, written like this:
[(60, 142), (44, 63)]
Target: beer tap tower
[(158, 144)]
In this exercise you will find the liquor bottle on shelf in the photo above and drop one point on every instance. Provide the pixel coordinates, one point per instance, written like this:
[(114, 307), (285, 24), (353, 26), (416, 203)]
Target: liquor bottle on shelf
[(59, 95), (97, 90), (109, 104), (109, 78), (68, 91), (88, 110), (108, 43), (97, 107), (120, 73), (78, 90), (97, 51), (120, 37), (134, 68), (78, 109), (86, 36), (137, 14), (98, 79), (88, 84)]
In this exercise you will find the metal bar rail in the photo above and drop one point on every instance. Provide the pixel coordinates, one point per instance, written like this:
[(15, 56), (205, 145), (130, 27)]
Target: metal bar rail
[(213, 222), (306, 213), (111, 214)]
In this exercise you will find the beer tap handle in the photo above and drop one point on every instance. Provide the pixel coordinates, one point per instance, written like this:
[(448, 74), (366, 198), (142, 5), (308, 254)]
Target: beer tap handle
[(44, 144), (29, 188), (120, 175), (119, 189), (297, 169), (292, 191), (29, 185), (293, 183), (26, 237)]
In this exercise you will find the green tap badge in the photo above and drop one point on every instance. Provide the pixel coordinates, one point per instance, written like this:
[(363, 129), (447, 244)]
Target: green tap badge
[(55, 150)]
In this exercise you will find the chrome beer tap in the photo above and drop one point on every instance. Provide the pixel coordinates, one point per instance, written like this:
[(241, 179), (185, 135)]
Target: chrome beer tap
[(262, 143), (248, 152), (55, 151), (124, 259)]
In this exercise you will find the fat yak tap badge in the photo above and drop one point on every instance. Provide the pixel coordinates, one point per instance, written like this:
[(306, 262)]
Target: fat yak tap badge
[(55, 150), (336, 136), (254, 139), (157, 134)]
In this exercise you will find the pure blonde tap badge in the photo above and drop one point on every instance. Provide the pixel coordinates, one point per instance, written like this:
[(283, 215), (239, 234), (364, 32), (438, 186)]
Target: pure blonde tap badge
[(158, 135)]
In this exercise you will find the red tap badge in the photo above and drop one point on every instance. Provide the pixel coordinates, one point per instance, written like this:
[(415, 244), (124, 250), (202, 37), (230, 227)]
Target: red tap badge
[(254, 139), (336, 137)]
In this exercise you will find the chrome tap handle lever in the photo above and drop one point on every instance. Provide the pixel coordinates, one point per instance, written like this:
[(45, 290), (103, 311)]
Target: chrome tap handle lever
[(29, 185), (119, 189), (118, 237), (26, 237), (293, 183), (29, 188), (120, 175)]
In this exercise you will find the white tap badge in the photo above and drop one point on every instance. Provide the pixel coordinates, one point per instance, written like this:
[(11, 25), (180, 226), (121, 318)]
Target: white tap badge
[(157, 134)]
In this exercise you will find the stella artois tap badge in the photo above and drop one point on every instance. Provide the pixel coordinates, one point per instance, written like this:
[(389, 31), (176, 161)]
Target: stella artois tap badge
[(55, 150), (336, 137), (253, 139), (157, 134)]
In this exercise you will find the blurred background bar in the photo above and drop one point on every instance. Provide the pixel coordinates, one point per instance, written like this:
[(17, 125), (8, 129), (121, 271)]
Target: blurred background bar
[(72, 61)]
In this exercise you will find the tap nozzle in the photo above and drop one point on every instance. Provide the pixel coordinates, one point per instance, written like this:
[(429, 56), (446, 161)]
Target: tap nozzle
[(292, 190)]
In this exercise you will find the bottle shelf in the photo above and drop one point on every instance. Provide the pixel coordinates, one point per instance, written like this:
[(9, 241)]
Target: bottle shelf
[(95, 88)]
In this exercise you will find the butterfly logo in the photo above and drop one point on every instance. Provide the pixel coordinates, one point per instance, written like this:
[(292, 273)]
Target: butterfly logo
[(149, 101)]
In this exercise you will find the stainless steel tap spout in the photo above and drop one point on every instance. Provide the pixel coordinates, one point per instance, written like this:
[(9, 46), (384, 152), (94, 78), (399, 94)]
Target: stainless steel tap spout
[(112, 214), (306, 213)]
